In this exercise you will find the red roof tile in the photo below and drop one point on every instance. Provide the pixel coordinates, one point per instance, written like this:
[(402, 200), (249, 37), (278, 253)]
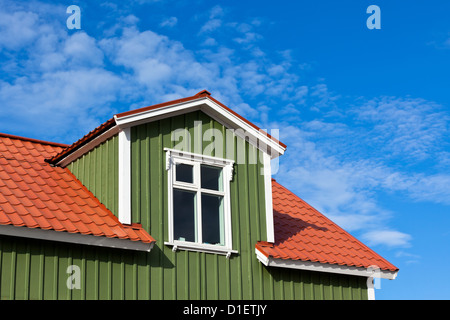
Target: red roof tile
[(303, 233), (34, 194)]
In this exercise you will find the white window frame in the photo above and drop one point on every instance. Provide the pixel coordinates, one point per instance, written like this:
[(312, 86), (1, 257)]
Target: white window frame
[(196, 160)]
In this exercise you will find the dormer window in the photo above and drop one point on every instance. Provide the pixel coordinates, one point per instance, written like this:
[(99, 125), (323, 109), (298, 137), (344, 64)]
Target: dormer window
[(199, 202)]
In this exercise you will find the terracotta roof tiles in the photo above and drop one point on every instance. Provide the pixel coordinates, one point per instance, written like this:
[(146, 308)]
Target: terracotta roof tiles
[(303, 233), (34, 194)]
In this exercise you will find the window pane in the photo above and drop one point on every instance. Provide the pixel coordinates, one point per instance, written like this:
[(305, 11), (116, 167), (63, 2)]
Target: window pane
[(211, 177), (184, 215), (212, 219), (184, 173)]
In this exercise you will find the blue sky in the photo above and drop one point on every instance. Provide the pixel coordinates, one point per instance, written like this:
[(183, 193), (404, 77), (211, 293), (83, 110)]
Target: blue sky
[(365, 113)]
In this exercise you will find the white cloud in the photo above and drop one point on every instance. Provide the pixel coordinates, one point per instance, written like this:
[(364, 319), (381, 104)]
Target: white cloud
[(409, 127), (389, 238), (62, 72), (211, 25), (169, 22), (17, 29), (336, 161)]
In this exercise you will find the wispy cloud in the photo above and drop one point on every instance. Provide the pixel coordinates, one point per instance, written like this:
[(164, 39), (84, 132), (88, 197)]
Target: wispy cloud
[(169, 22), (340, 161), (405, 126), (387, 237), (59, 71), (60, 85)]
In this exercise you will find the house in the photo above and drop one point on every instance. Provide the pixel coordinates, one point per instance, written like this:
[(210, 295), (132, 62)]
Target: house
[(171, 201)]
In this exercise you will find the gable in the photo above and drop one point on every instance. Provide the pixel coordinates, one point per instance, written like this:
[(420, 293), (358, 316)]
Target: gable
[(149, 177)]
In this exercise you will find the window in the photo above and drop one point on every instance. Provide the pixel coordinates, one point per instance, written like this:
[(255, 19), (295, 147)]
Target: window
[(199, 202)]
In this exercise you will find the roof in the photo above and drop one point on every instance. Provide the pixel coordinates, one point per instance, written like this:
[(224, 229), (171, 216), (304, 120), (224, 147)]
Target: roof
[(304, 234), (111, 123), (34, 194)]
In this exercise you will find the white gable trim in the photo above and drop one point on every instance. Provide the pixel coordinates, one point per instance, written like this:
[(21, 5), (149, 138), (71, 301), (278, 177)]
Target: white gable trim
[(268, 198), (323, 267), (256, 137), (125, 176), (88, 147)]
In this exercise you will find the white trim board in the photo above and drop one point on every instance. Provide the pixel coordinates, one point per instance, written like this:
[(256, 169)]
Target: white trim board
[(88, 147), (257, 138), (323, 267), (77, 238), (268, 198), (125, 176)]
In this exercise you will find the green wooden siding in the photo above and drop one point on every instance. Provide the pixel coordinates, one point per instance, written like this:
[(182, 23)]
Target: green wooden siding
[(98, 171), (195, 275), (37, 270)]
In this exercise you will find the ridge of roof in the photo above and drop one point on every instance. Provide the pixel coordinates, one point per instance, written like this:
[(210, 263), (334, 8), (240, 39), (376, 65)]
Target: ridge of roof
[(11, 136), (80, 142), (201, 94)]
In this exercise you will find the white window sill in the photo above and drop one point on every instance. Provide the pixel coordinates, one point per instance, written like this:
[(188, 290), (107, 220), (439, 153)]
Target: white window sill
[(181, 245)]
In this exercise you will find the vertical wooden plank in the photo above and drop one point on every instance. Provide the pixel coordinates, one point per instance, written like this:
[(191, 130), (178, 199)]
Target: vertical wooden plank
[(307, 285), (91, 274), (355, 288), (145, 178), (194, 276), (117, 277), (104, 279), (318, 287), (327, 286), (297, 293), (8, 270), (236, 263), (204, 271), (261, 198), (22, 269), (156, 199), (2, 296), (345, 288), (169, 285), (48, 272), (135, 173), (211, 276), (63, 264), (142, 275), (129, 279), (78, 260)]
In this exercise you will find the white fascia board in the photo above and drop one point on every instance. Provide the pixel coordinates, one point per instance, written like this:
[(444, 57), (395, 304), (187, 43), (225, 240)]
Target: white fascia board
[(125, 176), (158, 113), (225, 116), (77, 238), (88, 147), (268, 198), (212, 109), (324, 267)]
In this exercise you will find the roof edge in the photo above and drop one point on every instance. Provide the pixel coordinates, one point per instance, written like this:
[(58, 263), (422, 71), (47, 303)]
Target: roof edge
[(81, 142), (339, 227), (77, 238), (371, 271)]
